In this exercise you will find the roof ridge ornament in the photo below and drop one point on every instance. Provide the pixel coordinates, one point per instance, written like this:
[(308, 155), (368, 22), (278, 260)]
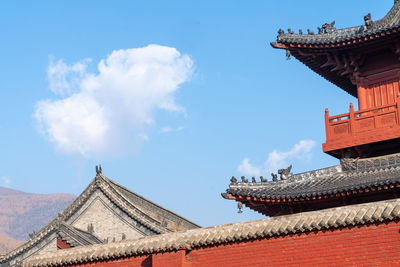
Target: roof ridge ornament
[(99, 171), (329, 27), (285, 173), (368, 21)]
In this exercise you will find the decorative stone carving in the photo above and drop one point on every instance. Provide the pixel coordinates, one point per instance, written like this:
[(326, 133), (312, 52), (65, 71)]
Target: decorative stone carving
[(274, 177), (90, 228), (285, 173), (253, 179), (244, 180), (361, 165), (349, 164), (98, 170), (310, 32), (31, 235), (263, 180), (329, 27), (368, 21), (233, 180)]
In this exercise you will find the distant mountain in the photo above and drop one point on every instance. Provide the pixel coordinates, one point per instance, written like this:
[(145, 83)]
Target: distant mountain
[(22, 213)]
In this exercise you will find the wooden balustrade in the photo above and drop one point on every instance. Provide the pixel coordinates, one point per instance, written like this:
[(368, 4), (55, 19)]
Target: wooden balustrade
[(360, 127)]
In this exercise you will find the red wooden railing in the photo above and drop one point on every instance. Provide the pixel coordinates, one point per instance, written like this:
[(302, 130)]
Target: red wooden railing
[(354, 123)]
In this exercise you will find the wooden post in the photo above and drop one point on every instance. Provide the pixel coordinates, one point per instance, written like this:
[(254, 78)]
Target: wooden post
[(327, 124), (398, 108), (362, 98), (351, 119)]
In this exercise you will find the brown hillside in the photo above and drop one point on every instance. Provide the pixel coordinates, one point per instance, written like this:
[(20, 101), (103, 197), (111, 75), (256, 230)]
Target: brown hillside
[(22, 213), (8, 243)]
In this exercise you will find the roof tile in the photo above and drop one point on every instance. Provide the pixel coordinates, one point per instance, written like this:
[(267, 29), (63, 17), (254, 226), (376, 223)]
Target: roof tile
[(280, 225), (332, 180)]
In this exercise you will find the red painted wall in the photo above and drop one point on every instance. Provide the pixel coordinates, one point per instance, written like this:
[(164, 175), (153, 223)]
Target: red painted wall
[(367, 245), (61, 244)]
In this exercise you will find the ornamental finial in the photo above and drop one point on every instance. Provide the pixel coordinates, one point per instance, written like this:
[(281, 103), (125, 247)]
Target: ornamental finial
[(285, 173), (368, 21), (98, 170)]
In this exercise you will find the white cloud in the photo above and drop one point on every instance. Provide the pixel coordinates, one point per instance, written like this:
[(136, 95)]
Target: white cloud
[(64, 79), (168, 129), (278, 159), (108, 112), (5, 181)]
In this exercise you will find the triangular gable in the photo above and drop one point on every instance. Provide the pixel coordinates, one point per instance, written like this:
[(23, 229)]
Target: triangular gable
[(113, 213)]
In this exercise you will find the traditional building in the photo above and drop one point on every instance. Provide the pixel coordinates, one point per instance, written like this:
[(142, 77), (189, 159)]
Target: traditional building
[(348, 214), (364, 61), (105, 212)]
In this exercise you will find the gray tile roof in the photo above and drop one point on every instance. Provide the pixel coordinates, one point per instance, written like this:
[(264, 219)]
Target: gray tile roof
[(373, 212), (147, 206), (144, 214), (331, 35), (351, 174), (76, 237)]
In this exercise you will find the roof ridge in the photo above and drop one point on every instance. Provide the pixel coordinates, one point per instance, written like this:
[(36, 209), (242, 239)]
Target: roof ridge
[(75, 228), (80, 233), (113, 183), (391, 19), (333, 218), (390, 15), (146, 222)]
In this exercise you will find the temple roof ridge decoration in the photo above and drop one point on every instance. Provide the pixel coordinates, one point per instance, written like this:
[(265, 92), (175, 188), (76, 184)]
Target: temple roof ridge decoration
[(347, 183), (331, 53), (328, 34)]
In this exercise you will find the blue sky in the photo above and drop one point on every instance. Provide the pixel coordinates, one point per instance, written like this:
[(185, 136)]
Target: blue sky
[(218, 100)]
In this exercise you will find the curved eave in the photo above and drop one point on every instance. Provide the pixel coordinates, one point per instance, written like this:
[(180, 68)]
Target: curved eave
[(318, 52), (302, 197), (288, 43)]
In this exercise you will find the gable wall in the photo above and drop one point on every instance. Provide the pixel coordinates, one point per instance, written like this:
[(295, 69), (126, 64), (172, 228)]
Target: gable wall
[(109, 222)]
